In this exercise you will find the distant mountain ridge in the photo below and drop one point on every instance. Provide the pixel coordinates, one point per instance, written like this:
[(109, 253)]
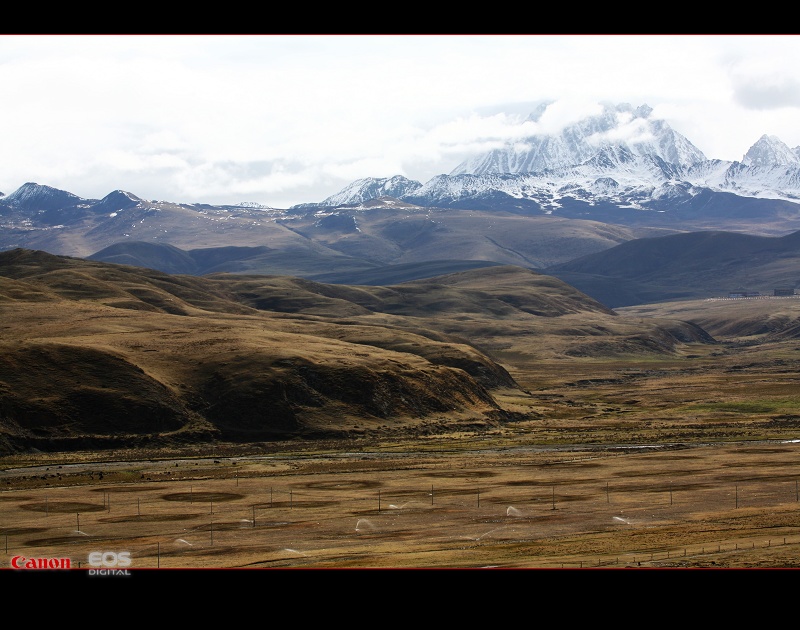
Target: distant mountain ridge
[(607, 180), (693, 265)]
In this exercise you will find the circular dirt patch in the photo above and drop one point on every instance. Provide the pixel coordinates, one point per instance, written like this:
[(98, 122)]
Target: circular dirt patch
[(225, 526), (458, 474), (63, 507), (343, 485), (295, 504), (125, 489), (60, 540), (202, 497), (148, 518), (21, 531)]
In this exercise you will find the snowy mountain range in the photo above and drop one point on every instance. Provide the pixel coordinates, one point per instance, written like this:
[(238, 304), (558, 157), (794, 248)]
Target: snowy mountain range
[(621, 157), (614, 177)]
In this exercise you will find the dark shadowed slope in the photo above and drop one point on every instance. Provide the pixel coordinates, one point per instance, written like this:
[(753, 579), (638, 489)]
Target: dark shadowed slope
[(683, 266)]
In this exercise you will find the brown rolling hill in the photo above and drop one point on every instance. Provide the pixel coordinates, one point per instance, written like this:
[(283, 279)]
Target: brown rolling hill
[(741, 321), (100, 355)]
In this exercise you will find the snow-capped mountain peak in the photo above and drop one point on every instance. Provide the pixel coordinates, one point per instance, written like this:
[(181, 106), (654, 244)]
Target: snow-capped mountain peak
[(368, 188), (617, 127), (31, 194), (770, 151)]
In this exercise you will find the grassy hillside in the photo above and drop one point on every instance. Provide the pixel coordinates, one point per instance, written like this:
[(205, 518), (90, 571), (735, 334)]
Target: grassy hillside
[(103, 355)]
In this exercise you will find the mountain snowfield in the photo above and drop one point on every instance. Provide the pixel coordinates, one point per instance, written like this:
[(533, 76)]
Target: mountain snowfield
[(622, 156)]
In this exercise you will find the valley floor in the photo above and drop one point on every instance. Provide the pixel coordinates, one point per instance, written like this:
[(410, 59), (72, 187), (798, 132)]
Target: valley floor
[(677, 462), (712, 505)]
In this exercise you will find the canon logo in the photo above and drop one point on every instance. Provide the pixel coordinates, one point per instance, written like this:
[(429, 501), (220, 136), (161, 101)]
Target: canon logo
[(21, 562)]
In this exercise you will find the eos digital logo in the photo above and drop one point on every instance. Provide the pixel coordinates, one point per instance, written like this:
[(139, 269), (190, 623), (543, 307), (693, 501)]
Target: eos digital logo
[(112, 562)]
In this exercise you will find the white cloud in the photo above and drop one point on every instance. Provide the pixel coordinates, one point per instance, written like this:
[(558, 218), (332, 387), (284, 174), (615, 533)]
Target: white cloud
[(565, 112), (283, 120), (767, 92), (629, 130)]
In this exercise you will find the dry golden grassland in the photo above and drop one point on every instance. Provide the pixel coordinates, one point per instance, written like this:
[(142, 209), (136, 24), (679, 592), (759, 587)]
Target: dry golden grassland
[(651, 465)]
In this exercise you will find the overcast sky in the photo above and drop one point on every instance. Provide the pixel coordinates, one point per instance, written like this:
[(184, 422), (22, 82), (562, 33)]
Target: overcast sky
[(288, 119)]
